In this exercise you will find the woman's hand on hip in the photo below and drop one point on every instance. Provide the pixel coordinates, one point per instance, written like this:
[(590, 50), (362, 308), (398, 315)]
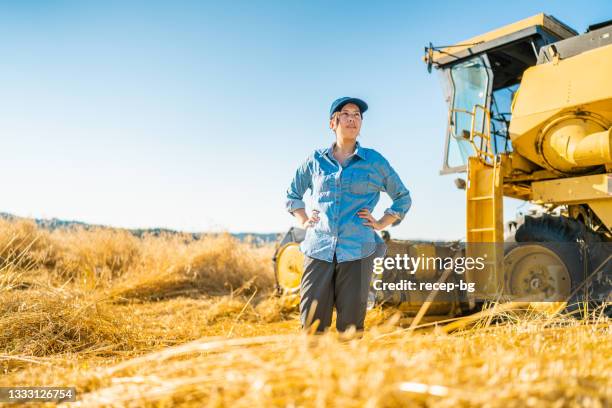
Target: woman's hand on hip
[(378, 225), (312, 220), (304, 220), (370, 220)]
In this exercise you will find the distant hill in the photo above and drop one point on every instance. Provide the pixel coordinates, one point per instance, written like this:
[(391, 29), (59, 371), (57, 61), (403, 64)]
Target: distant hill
[(55, 223), (256, 238)]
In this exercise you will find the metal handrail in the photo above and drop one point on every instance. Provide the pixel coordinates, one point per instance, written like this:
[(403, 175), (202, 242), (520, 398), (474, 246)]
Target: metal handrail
[(484, 150)]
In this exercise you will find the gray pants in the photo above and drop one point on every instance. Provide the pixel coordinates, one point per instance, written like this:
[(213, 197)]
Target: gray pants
[(341, 284)]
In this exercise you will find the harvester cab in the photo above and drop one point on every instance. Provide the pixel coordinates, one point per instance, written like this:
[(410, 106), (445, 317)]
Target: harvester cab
[(530, 117), (481, 77)]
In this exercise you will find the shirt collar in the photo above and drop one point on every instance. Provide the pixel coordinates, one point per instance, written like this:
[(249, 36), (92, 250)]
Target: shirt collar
[(359, 151)]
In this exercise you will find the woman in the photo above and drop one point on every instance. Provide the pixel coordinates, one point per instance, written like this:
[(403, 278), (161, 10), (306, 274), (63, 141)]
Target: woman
[(341, 239)]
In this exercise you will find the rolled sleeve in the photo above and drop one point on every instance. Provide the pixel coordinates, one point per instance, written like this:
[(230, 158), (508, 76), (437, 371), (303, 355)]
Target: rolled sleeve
[(398, 193), (295, 204), (301, 182)]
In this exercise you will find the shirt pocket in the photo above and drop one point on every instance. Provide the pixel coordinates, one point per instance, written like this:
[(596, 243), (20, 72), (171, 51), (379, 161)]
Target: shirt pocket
[(365, 183)]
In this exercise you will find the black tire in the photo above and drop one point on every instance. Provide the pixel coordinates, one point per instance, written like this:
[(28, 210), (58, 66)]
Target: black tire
[(581, 250)]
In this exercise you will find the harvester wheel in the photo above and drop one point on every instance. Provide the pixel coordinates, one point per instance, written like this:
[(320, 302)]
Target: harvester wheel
[(289, 267), (558, 258)]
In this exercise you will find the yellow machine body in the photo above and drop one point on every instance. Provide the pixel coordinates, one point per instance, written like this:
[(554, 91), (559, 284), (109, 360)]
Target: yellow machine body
[(563, 112), (550, 144), (562, 121)]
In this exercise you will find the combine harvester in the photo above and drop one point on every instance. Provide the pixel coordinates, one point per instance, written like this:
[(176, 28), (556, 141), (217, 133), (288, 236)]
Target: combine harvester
[(529, 117)]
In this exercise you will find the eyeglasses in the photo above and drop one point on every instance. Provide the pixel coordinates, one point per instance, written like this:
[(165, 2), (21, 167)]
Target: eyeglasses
[(345, 116)]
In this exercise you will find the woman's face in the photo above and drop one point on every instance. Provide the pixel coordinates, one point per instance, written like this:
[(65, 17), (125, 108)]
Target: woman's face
[(347, 124)]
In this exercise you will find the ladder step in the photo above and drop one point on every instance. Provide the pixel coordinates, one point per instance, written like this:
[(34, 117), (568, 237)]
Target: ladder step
[(481, 229), (481, 198)]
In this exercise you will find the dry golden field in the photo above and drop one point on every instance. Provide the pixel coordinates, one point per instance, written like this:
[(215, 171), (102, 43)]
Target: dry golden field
[(172, 321)]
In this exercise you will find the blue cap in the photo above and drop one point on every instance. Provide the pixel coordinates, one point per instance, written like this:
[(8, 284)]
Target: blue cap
[(340, 102)]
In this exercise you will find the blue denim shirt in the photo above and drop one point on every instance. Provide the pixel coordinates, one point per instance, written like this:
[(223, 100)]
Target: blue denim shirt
[(339, 192)]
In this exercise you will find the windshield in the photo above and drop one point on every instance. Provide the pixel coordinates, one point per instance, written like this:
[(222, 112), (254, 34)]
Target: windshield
[(468, 85)]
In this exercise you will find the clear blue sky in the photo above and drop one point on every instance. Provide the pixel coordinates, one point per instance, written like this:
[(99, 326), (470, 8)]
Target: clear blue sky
[(194, 115)]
